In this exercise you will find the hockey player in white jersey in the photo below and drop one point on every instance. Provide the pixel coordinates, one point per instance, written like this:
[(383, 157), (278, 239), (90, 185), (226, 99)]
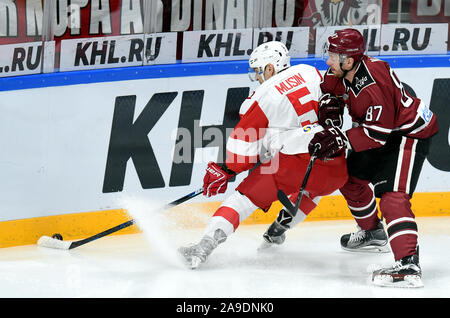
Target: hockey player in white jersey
[(280, 116)]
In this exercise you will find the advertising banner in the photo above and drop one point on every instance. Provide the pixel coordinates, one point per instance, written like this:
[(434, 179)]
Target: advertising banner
[(431, 11), (21, 21), (118, 51), (321, 13), (402, 39), (394, 39), (25, 58), (296, 39), (371, 34), (226, 45)]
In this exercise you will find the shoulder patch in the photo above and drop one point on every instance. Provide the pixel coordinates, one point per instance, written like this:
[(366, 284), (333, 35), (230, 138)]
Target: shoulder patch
[(362, 79)]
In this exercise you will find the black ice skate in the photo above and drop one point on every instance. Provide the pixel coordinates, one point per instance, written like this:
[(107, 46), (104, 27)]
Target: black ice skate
[(374, 240), (198, 253), (275, 234), (404, 273)]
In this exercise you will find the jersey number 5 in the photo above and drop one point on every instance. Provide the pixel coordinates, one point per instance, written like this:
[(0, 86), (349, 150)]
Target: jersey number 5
[(305, 106)]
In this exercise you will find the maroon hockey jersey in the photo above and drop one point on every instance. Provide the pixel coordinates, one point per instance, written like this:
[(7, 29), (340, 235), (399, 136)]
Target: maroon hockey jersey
[(379, 105)]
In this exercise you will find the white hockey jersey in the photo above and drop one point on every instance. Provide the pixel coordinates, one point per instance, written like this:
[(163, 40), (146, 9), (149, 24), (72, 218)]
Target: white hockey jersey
[(280, 115)]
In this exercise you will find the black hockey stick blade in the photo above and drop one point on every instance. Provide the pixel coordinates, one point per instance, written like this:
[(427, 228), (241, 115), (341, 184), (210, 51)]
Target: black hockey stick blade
[(50, 242)]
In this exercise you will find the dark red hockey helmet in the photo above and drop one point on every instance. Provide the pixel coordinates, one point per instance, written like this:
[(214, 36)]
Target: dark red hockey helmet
[(349, 42)]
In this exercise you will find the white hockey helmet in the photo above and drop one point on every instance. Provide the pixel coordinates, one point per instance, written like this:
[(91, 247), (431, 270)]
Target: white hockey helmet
[(273, 52)]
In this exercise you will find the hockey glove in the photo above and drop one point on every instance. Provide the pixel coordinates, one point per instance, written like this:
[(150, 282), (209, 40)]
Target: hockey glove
[(216, 179), (331, 110), (328, 143)]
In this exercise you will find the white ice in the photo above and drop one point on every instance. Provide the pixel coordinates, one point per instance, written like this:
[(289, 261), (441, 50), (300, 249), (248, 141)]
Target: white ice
[(310, 264)]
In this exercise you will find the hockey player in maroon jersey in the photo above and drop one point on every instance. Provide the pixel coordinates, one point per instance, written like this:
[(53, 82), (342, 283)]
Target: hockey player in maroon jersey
[(387, 144), (280, 116)]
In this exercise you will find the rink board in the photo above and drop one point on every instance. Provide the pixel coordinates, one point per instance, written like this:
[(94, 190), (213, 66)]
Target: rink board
[(62, 162), (191, 215)]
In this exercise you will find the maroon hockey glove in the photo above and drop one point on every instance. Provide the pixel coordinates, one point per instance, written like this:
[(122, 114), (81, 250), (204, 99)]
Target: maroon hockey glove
[(331, 109), (216, 179), (329, 143)]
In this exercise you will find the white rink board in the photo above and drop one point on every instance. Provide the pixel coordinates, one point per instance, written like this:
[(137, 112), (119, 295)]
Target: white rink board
[(55, 142)]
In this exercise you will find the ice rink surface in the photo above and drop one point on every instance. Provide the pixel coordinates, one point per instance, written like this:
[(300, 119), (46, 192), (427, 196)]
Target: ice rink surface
[(310, 264)]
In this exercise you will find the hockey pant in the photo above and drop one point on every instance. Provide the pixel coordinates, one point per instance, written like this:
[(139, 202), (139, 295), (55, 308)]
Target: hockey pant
[(259, 189), (395, 178)]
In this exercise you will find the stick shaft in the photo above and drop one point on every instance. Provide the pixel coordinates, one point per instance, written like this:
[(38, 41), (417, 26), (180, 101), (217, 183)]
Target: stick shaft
[(305, 181), (184, 199), (99, 235), (131, 222), (284, 198)]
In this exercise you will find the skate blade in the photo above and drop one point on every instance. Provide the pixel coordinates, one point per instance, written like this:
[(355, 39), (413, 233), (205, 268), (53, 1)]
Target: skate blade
[(369, 249), (190, 261), (194, 262), (265, 246), (409, 281)]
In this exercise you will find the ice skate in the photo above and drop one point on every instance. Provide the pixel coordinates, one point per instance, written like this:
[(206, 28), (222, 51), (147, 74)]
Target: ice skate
[(374, 240), (405, 273), (275, 235), (198, 253)]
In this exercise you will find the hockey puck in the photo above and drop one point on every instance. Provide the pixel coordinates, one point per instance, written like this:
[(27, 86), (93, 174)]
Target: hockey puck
[(57, 236)]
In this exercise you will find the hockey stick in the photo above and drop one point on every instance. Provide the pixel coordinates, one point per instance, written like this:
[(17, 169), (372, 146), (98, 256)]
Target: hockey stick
[(284, 198), (51, 242)]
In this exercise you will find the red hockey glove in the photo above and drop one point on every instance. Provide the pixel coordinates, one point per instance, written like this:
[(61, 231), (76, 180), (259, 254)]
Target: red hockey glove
[(216, 179), (331, 110), (328, 143)]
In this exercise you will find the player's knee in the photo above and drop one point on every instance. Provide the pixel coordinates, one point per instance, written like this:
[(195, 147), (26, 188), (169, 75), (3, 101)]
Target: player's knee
[(355, 187)]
